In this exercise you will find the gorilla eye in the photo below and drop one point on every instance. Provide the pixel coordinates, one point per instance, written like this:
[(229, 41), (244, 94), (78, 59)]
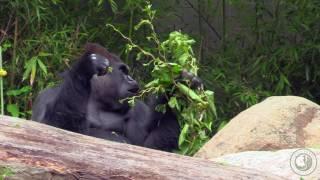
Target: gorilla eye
[(124, 69)]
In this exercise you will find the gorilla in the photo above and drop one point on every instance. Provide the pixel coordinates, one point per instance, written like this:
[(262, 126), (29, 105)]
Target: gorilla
[(88, 102), (65, 105), (140, 125)]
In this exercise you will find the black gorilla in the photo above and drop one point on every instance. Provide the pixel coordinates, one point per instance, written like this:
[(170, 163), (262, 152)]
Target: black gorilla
[(87, 102), (140, 125), (65, 106)]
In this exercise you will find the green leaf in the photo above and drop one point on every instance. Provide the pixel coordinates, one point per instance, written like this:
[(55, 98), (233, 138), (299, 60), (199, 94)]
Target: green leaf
[(183, 58), (173, 103), (152, 83), (222, 124), (30, 69), (13, 109), (175, 68), (42, 67), (27, 71), (202, 135), (44, 54), (33, 72), (165, 78), (17, 92), (210, 100), (209, 125), (189, 92), (113, 4), (139, 56), (100, 2), (5, 46), (184, 148), (183, 134)]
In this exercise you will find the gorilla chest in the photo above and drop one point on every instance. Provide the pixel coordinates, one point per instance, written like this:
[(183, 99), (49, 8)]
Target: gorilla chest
[(112, 121)]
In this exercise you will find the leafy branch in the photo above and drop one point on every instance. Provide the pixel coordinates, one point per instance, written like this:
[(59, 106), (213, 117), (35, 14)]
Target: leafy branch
[(195, 108)]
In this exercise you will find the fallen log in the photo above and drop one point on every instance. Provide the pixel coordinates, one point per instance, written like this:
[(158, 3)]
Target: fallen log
[(30, 150)]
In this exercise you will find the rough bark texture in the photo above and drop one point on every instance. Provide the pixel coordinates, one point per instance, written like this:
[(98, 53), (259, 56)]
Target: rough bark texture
[(36, 151)]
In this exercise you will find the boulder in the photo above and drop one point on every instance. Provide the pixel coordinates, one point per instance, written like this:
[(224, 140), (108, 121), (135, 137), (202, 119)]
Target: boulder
[(279, 163), (280, 122)]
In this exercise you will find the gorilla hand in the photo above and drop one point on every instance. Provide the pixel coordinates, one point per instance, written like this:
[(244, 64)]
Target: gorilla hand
[(196, 82), (100, 64)]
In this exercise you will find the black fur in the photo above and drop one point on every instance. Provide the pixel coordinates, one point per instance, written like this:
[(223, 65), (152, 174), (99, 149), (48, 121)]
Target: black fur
[(65, 105)]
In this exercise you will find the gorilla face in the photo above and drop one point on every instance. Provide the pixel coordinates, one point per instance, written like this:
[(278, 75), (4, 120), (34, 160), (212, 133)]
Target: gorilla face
[(114, 85), (129, 86)]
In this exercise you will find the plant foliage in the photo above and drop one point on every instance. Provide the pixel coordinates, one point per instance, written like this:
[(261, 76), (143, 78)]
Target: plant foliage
[(168, 59)]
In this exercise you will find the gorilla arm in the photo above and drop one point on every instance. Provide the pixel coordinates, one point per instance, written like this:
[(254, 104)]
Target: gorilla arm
[(165, 135), (65, 107), (139, 123), (44, 98), (148, 128)]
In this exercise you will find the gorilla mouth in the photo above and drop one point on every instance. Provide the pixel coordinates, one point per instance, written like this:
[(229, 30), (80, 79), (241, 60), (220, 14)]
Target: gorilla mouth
[(134, 90)]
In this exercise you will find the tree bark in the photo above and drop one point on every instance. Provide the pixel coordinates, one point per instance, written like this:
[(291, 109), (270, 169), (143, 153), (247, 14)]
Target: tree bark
[(31, 150)]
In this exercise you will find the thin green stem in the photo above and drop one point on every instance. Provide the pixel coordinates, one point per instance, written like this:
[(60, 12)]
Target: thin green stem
[(146, 53), (1, 84)]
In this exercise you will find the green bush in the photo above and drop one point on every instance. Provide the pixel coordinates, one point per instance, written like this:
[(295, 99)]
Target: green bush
[(168, 59)]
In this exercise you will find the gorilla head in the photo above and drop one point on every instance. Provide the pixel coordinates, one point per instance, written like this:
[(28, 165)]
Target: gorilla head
[(106, 115), (115, 84)]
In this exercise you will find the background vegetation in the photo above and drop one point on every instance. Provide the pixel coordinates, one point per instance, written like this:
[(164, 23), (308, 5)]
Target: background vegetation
[(247, 50)]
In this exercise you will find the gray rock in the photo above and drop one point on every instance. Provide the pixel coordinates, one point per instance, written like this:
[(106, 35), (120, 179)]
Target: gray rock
[(280, 122), (277, 163)]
